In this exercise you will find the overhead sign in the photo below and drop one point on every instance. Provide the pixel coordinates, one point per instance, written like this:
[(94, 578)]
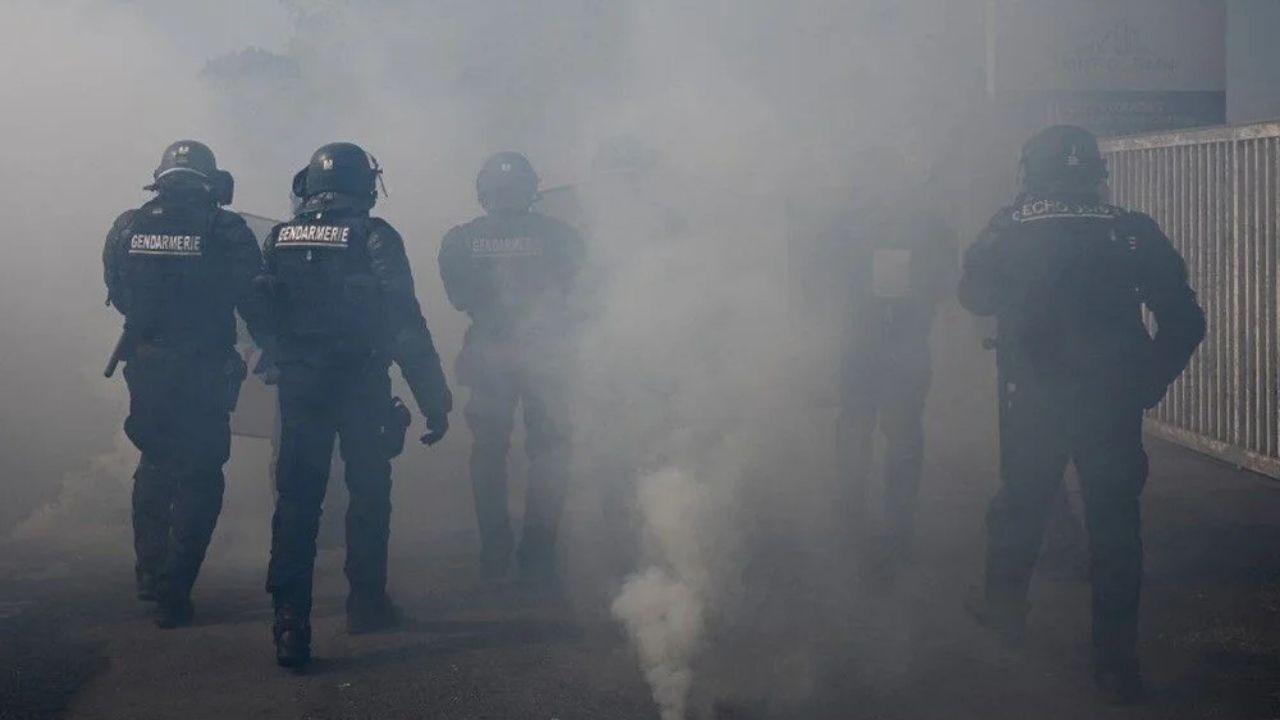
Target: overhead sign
[(1115, 66)]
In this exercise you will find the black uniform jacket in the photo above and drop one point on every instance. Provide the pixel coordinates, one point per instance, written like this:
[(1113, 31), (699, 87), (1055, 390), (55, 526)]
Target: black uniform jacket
[(1068, 277)]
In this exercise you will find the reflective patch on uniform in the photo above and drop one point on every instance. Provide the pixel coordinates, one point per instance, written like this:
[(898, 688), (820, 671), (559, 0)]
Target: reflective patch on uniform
[(313, 236), (506, 247), (890, 272), (182, 245), (1056, 209)]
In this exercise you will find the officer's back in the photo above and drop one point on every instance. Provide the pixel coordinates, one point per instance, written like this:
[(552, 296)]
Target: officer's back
[(315, 311), (512, 269), (1067, 275), (343, 295), (1072, 268), (898, 269), (179, 268)]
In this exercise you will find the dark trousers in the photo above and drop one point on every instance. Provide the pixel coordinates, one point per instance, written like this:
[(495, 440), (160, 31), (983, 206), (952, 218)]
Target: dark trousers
[(630, 421), (889, 395), (179, 418), (318, 402), (331, 530), (490, 414), (1102, 435)]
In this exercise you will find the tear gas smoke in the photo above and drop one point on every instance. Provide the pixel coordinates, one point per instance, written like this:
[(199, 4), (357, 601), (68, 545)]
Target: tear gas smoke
[(696, 375), (664, 606), (95, 498)]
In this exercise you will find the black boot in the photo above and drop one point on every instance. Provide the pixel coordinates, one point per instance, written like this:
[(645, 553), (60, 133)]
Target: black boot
[(292, 631), (537, 557), (883, 560), (1118, 679), (146, 583), (539, 573), (174, 612), (371, 611), (494, 565), (1006, 618)]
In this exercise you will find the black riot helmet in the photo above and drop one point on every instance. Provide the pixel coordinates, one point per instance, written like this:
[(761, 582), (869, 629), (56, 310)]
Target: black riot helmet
[(507, 182), (190, 164), (189, 158), (1062, 158), (340, 168)]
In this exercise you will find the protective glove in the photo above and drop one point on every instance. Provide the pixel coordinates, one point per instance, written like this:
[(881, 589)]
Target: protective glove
[(420, 365), (437, 426)]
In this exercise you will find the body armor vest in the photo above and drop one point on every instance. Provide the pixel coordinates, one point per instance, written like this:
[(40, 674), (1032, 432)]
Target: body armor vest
[(176, 275), (515, 267), (1075, 278), (327, 290)]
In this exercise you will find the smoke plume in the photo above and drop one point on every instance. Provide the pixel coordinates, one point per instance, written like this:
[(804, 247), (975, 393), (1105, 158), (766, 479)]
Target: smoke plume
[(664, 606), (703, 406)]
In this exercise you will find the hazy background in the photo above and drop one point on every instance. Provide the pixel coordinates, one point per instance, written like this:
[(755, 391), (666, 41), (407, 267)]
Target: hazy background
[(756, 109), (752, 99)]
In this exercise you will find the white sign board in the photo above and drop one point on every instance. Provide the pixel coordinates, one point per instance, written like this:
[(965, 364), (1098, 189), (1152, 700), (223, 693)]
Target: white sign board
[(1113, 65), (1119, 45)]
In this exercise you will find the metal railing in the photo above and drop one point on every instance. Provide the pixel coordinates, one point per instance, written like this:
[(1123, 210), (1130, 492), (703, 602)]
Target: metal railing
[(1215, 192)]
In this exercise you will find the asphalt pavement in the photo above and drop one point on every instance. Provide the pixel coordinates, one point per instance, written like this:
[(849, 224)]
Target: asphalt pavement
[(75, 644)]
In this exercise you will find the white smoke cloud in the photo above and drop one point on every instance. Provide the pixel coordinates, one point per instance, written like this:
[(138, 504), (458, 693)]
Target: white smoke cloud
[(665, 617), (749, 104), (93, 500), (664, 606), (91, 94)]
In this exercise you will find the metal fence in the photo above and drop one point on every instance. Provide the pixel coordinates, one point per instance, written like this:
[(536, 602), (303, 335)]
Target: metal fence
[(1215, 193)]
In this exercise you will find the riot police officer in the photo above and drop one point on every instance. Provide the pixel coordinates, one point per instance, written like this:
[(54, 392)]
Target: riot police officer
[(178, 268), (513, 271), (1067, 275), (343, 300), (898, 264)]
